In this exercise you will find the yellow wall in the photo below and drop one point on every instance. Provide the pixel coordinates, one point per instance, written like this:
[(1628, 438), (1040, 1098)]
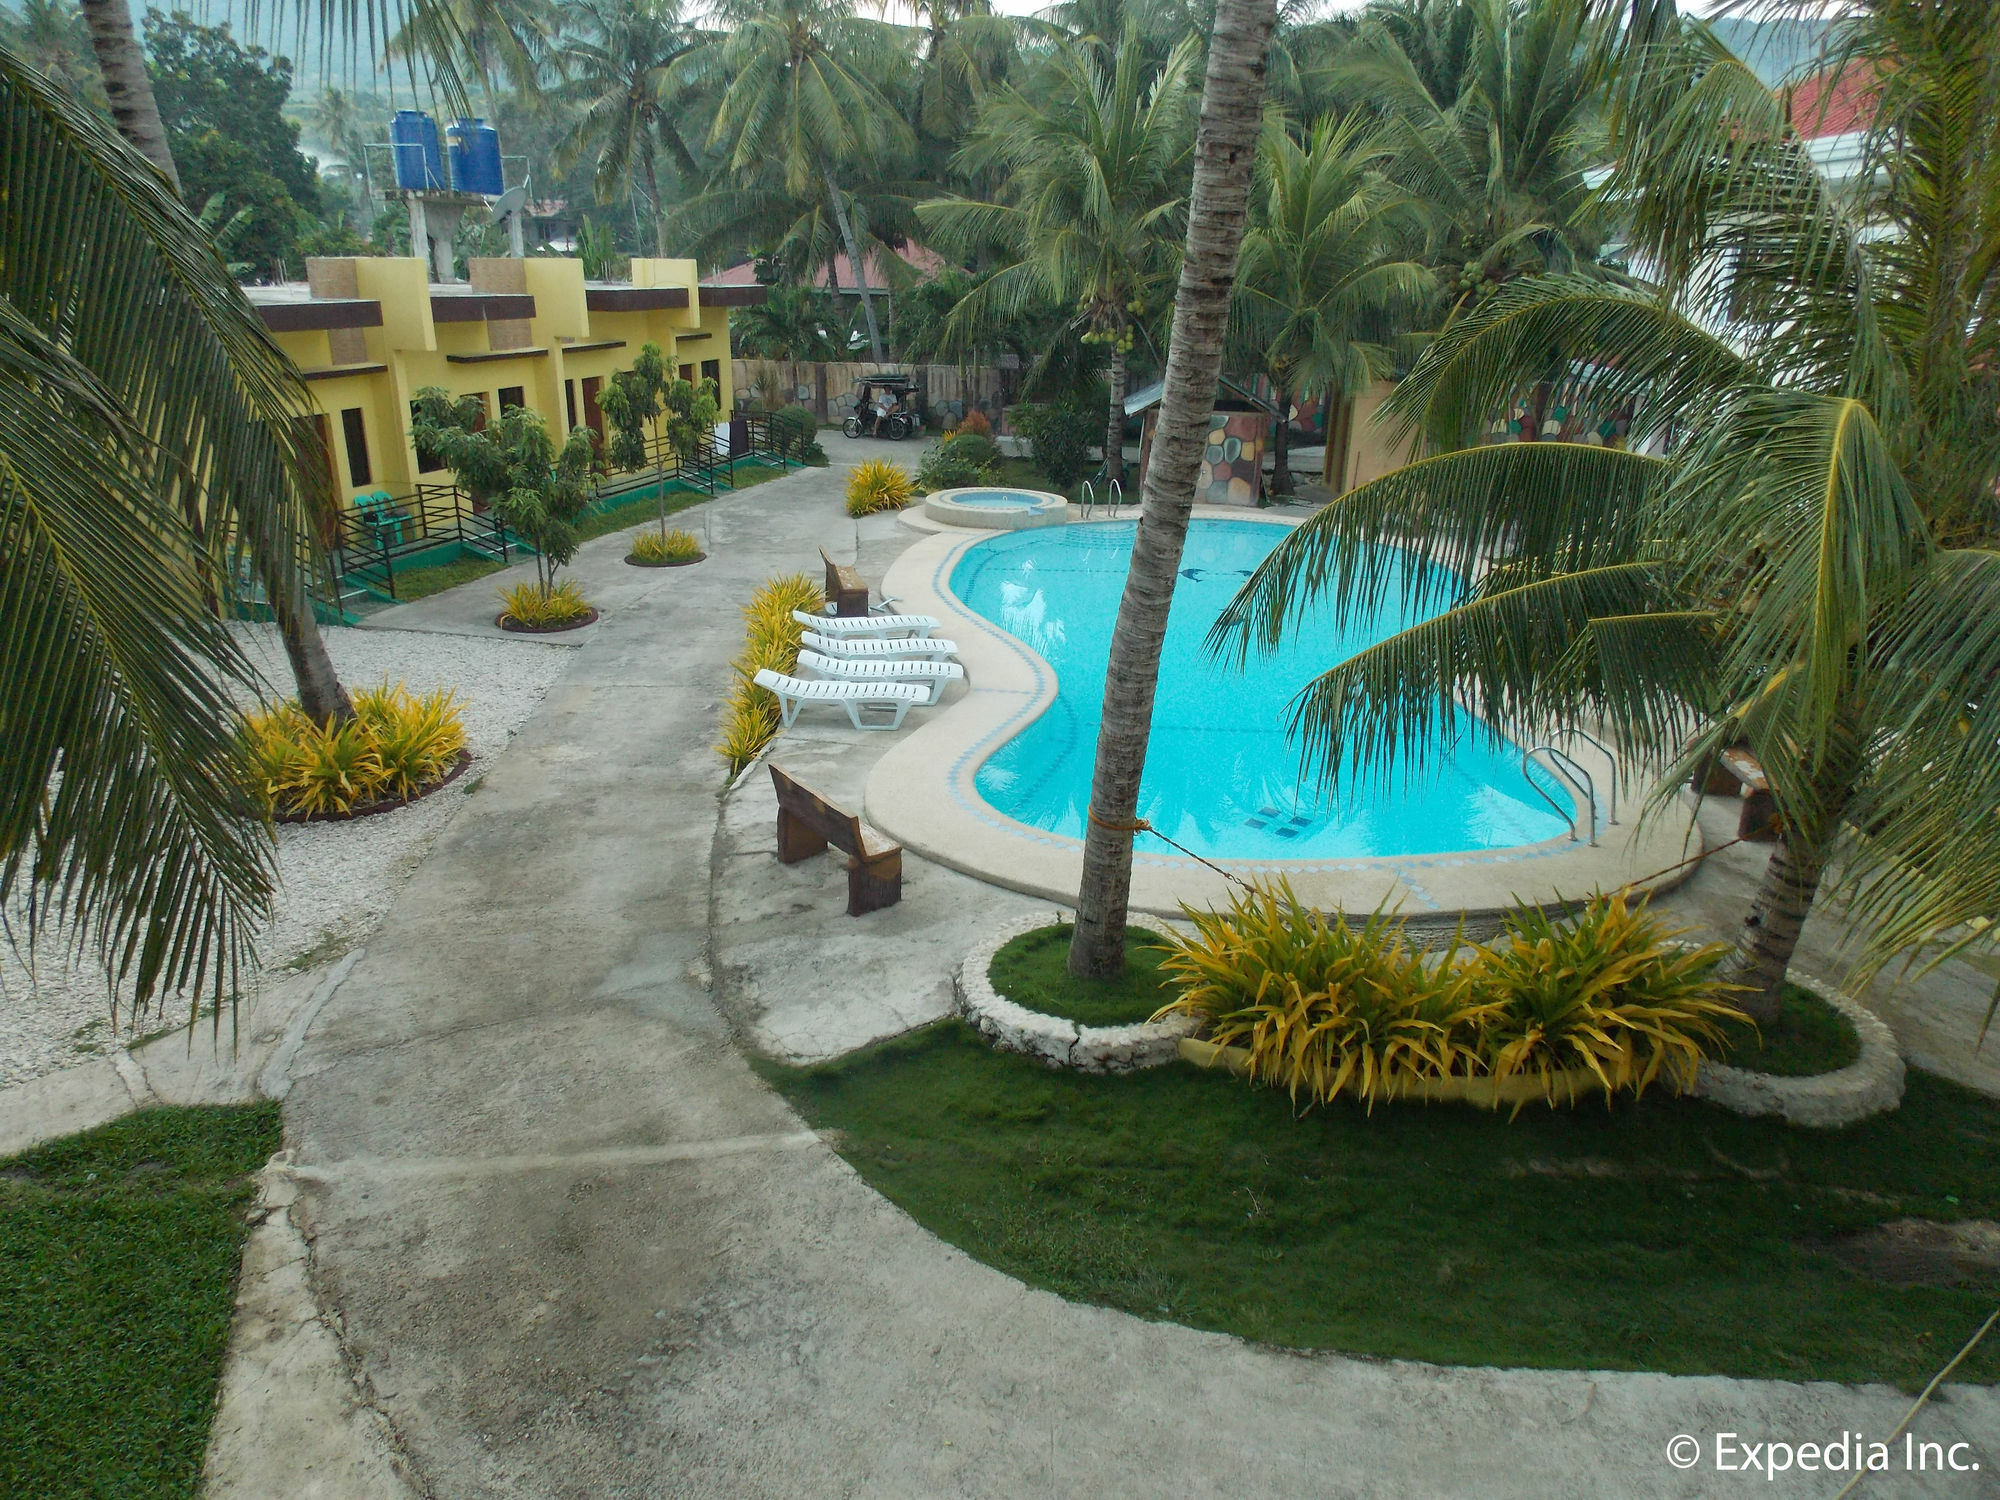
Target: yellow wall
[(415, 351)]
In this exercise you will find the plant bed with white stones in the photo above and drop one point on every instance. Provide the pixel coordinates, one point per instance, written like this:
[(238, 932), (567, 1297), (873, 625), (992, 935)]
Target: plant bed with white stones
[(1054, 1040)]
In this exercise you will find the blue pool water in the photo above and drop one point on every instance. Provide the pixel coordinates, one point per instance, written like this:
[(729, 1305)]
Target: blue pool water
[(1221, 776)]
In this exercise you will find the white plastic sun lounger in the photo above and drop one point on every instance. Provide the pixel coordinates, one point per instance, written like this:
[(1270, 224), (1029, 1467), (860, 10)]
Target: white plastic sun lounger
[(793, 693), (910, 648), (934, 674), (850, 627)]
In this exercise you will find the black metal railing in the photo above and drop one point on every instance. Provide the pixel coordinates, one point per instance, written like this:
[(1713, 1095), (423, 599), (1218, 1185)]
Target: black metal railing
[(380, 533)]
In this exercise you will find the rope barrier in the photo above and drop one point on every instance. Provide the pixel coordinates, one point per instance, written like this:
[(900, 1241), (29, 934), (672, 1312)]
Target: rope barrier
[(1936, 1381), (1140, 825)]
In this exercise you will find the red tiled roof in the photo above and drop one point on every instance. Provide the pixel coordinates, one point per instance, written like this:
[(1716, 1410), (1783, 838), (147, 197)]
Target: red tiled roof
[(1827, 104)]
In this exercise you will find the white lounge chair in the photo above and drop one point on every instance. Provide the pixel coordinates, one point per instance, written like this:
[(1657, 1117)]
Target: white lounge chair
[(910, 648), (793, 693), (862, 627), (935, 674)]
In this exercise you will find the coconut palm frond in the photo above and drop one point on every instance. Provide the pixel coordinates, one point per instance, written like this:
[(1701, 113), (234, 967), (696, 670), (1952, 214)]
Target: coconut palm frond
[(1423, 531), (150, 449), (1613, 351), (1517, 658)]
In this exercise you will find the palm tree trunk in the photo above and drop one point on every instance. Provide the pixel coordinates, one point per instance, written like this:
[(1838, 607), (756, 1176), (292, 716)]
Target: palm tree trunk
[(1771, 935), (659, 219), (320, 692), (1281, 446), (133, 109), (1114, 420), (1231, 114), (137, 116), (854, 259)]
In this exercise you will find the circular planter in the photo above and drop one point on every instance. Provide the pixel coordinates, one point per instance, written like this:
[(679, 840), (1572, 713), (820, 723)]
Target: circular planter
[(1870, 1085), (507, 622), (1055, 1041), (374, 809), (633, 559)]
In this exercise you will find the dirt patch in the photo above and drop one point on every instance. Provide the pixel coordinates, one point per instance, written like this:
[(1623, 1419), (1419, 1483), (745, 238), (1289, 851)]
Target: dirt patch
[(1923, 1252)]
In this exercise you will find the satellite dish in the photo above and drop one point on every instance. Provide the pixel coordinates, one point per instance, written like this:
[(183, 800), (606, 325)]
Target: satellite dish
[(510, 202)]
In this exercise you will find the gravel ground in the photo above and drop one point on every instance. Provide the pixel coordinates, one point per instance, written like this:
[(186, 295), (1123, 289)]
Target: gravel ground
[(337, 880)]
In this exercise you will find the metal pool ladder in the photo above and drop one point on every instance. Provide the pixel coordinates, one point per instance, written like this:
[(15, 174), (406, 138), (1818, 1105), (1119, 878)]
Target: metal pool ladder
[(1568, 771), (1114, 496)]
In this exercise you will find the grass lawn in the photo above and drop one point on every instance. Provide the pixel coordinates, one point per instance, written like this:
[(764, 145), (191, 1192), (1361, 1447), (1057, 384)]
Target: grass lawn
[(1023, 474), (1810, 1037), (421, 583), (118, 1259), (1662, 1235), (1032, 970)]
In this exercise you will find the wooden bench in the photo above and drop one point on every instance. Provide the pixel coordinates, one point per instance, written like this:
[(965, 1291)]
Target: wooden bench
[(1736, 772), (807, 823), (846, 589)]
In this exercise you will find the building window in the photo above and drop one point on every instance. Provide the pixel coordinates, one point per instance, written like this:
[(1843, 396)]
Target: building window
[(351, 428), (593, 414), (427, 461), (687, 373), (711, 369), (569, 400), (512, 398)]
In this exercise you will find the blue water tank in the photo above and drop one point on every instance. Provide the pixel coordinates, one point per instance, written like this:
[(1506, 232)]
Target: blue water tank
[(475, 158), (413, 141)]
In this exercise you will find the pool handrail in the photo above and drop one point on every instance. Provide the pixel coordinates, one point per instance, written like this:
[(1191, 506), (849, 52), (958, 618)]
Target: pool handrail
[(1563, 768), (1604, 750)]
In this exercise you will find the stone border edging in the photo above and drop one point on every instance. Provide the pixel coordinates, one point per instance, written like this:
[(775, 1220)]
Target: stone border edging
[(1870, 1085), (1056, 1042)]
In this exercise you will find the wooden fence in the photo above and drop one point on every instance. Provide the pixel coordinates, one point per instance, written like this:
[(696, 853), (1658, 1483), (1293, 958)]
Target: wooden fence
[(827, 389)]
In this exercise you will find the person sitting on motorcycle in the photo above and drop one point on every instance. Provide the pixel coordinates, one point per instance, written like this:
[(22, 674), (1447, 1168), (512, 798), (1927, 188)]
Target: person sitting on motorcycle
[(885, 408)]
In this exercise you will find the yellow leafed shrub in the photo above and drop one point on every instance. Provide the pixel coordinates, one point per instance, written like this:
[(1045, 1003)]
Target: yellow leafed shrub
[(1324, 1007), (533, 607), (669, 547), (876, 484), (771, 640), (1608, 990), (396, 745)]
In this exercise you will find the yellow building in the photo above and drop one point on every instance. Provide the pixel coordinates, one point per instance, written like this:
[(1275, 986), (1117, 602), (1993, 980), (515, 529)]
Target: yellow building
[(369, 333)]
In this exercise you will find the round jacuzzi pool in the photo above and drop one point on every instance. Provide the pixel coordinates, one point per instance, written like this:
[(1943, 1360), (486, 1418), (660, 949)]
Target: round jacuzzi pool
[(993, 508)]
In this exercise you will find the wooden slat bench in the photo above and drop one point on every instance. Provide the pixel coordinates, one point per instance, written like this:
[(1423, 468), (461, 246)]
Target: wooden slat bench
[(1736, 771), (807, 823), (846, 589)]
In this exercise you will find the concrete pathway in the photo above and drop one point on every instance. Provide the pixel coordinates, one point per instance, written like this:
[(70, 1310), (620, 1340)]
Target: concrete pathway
[(570, 1245)]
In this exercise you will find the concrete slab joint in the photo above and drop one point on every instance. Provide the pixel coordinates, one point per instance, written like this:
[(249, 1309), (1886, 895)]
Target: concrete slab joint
[(1871, 1085), (1055, 1041)]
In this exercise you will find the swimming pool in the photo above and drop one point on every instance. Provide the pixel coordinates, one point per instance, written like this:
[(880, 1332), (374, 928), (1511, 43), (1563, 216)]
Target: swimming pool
[(1221, 775)]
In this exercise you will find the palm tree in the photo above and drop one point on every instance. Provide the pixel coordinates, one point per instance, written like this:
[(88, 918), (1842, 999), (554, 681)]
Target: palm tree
[(137, 116), (804, 103), (622, 83), (1494, 107), (1094, 172), (51, 37), (965, 47), (148, 448), (1323, 283), (1225, 148), (127, 86), (1811, 567), (337, 119)]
